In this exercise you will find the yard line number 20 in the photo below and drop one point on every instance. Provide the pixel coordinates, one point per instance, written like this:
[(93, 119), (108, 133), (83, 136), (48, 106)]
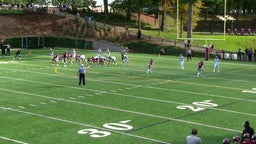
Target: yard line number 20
[(198, 106)]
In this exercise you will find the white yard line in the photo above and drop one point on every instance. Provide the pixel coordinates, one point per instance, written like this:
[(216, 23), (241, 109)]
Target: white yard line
[(122, 110), (149, 87), (81, 124), (188, 76), (13, 140)]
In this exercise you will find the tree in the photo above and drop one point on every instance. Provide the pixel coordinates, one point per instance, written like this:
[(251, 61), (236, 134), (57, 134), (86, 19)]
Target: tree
[(138, 6), (190, 18), (189, 15), (166, 6), (129, 10), (105, 8), (121, 6)]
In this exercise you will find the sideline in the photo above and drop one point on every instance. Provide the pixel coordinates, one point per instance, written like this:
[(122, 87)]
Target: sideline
[(16, 141)]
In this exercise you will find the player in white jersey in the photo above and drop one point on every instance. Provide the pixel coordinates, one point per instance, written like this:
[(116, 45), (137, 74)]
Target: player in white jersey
[(73, 55), (181, 61), (108, 55), (216, 64), (51, 52), (150, 66), (99, 51)]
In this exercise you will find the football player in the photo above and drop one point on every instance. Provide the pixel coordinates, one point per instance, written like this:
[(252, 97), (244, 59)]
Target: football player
[(150, 65), (17, 54), (216, 64), (55, 60), (181, 61), (64, 58), (200, 68)]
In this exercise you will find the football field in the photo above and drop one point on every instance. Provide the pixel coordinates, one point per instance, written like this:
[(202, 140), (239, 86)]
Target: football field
[(122, 104)]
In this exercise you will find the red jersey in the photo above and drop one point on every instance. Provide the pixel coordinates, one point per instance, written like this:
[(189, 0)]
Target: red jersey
[(247, 142), (18, 52), (64, 55), (55, 58), (150, 62), (200, 64)]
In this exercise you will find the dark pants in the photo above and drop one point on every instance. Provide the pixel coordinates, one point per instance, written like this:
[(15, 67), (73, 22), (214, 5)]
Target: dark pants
[(189, 57), (8, 53), (81, 78), (3, 51)]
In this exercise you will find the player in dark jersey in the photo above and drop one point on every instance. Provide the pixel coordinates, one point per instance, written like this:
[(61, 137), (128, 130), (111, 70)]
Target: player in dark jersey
[(17, 54), (200, 69), (64, 58), (150, 66), (55, 60)]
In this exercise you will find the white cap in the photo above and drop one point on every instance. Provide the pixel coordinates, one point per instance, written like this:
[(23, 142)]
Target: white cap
[(82, 65)]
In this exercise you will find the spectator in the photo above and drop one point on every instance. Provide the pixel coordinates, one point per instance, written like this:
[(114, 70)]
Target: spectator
[(253, 139), (250, 54), (226, 141), (189, 54), (211, 46), (2, 47), (242, 31), (246, 54), (239, 54), (126, 27), (247, 129), (236, 140), (193, 138), (229, 31), (8, 49), (139, 34), (185, 43), (254, 54), (162, 51), (246, 139), (235, 31), (249, 31)]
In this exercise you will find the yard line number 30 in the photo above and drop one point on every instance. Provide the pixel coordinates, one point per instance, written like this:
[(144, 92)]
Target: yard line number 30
[(95, 133)]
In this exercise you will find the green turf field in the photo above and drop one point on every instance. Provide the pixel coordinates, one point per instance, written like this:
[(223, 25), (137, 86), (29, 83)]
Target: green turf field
[(122, 104)]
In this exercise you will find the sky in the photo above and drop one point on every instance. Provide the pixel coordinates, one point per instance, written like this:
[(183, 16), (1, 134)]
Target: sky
[(100, 2)]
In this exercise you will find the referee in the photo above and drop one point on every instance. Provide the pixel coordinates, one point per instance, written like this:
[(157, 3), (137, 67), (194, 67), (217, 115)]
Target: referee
[(81, 72)]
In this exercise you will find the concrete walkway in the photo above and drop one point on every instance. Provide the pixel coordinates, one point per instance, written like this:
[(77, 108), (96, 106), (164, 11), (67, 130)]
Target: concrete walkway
[(106, 44)]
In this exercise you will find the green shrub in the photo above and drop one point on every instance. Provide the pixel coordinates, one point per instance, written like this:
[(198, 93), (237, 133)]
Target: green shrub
[(9, 12), (16, 42), (149, 48)]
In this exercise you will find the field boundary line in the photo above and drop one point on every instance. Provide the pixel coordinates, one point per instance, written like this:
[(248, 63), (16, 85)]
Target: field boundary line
[(13, 140), (122, 110)]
